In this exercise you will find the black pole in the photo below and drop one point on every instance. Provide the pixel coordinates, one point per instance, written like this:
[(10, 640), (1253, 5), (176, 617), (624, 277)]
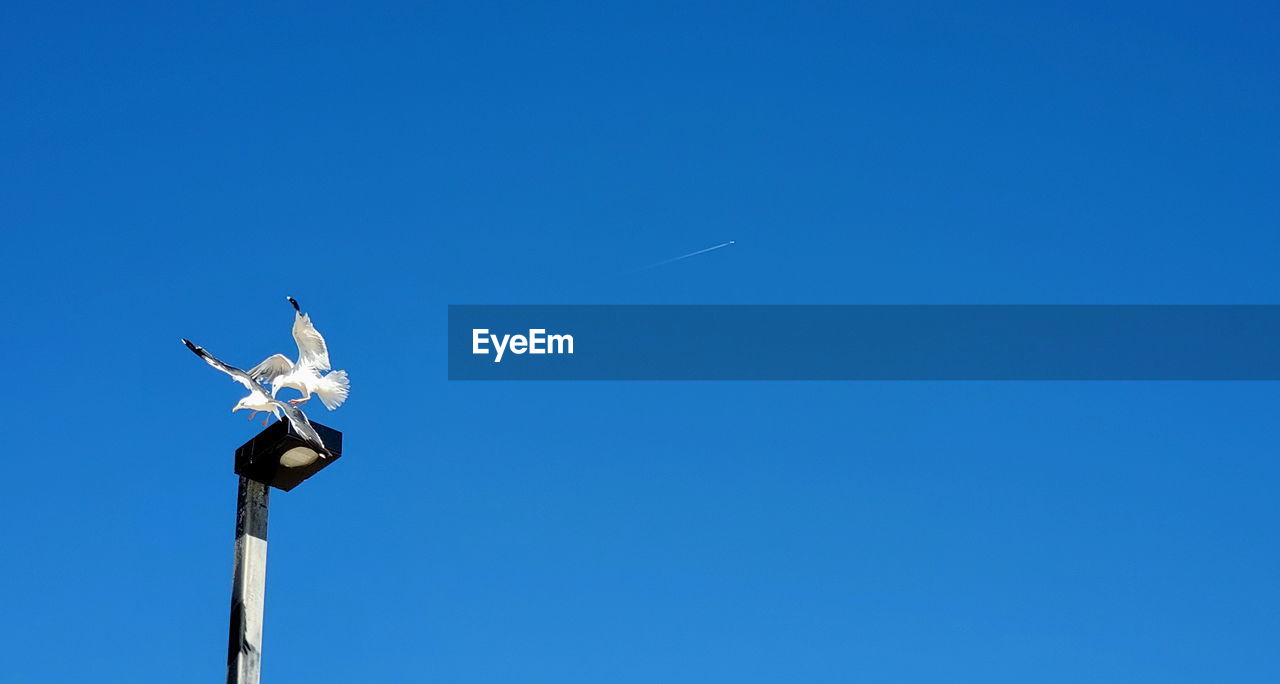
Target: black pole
[(248, 584)]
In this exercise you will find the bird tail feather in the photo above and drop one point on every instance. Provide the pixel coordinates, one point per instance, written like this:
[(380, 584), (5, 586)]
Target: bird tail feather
[(333, 389)]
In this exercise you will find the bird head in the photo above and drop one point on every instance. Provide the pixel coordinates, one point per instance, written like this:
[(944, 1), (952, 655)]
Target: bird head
[(239, 405)]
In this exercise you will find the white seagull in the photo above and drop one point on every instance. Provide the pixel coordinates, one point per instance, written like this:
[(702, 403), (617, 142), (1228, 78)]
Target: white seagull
[(259, 400), (304, 374)]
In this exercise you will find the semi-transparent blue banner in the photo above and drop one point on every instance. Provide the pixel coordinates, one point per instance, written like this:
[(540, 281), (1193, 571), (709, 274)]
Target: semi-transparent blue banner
[(864, 342)]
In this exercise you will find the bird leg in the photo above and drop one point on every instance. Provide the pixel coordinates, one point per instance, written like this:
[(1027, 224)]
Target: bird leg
[(252, 414), (264, 420)]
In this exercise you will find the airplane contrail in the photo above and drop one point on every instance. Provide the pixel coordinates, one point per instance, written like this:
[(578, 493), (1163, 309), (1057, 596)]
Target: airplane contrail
[(690, 254)]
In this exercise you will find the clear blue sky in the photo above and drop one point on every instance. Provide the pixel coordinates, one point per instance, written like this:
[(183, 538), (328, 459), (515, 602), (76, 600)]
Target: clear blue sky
[(165, 167)]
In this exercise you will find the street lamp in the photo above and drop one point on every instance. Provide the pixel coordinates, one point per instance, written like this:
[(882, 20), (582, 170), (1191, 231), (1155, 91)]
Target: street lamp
[(279, 457), (276, 457)]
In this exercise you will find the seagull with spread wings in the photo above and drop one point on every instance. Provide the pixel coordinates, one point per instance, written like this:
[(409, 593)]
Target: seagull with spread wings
[(258, 400), (305, 374)]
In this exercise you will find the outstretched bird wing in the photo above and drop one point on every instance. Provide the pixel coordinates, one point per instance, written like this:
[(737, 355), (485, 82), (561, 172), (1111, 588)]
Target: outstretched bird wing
[(236, 374), (272, 368), (312, 351), (302, 426)]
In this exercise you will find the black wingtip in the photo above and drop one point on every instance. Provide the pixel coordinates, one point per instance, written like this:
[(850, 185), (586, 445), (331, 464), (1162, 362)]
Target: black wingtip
[(198, 351), (294, 302)]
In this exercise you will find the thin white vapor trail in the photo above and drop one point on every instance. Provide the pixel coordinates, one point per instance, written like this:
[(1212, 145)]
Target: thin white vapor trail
[(690, 254)]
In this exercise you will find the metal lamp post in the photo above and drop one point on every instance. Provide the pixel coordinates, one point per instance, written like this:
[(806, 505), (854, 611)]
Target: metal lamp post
[(277, 457)]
